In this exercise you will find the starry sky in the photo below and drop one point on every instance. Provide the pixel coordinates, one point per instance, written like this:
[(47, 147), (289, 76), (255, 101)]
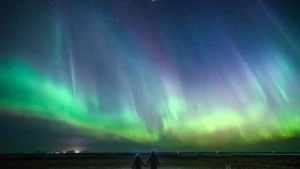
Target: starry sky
[(138, 75)]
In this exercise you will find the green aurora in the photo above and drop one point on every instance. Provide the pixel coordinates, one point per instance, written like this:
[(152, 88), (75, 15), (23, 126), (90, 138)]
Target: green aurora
[(26, 92)]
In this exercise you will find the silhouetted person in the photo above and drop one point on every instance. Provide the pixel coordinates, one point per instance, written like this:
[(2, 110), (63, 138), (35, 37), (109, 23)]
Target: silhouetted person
[(137, 163), (153, 160)]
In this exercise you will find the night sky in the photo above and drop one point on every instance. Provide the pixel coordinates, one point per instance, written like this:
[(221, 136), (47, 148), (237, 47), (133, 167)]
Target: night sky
[(138, 75)]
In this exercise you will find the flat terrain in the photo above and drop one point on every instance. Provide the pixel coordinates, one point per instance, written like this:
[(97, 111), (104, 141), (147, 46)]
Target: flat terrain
[(207, 162)]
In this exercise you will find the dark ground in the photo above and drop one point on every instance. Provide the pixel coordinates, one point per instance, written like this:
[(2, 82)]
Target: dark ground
[(204, 162)]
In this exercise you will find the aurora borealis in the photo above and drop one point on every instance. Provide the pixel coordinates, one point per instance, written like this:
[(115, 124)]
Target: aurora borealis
[(164, 73)]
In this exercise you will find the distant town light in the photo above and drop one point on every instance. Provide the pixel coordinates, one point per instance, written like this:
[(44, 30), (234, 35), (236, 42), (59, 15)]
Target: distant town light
[(77, 151)]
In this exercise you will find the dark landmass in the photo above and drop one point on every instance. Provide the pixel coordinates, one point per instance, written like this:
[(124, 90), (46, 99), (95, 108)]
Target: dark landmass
[(187, 160), (57, 156)]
